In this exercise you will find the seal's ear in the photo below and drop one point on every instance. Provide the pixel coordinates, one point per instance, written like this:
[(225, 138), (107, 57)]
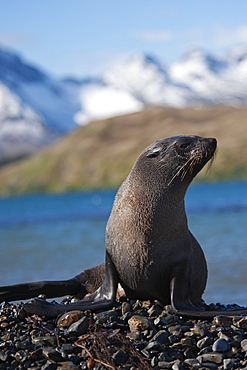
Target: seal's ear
[(154, 152)]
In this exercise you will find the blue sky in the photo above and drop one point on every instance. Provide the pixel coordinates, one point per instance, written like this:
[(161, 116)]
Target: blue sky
[(81, 37)]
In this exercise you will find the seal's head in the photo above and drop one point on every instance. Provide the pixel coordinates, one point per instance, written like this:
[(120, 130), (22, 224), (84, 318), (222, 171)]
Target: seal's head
[(176, 159)]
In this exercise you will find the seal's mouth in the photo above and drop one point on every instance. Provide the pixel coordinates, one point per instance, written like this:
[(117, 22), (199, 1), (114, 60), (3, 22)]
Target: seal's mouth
[(203, 153), (196, 157)]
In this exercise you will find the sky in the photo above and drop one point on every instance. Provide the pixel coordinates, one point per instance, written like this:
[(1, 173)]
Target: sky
[(84, 37)]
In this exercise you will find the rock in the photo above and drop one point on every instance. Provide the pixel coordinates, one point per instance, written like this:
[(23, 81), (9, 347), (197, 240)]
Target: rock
[(67, 348), (205, 350), (228, 364), (50, 366), (140, 323), (200, 329), (177, 366), (209, 366), (44, 340), (153, 346), (67, 365), (160, 321), (163, 356), (205, 342), (68, 318), (244, 345), (161, 337), (187, 342), (172, 339), (120, 357), (154, 361), (242, 323), (134, 335), (214, 357), (51, 354), (222, 320), (4, 355), (164, 365), (126, 307), (155, 310), (75, 359), (221, 345), (193, 362), (21, 356), (145, 353), (78, 328), (37, 355), (105, 316)]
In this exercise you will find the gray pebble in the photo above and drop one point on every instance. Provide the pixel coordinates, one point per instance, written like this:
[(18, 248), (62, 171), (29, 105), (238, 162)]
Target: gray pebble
[(120, 357), (161, 337), (51, 354), (153, 346), (214, 357), (160, 321), (154, 361), (221, 345), (105, 316), (50, 366), (228, 364), (244, 345), (177, 366), (126, 307), (164, 365), (204, 342), (163, 356), (78, 328), (209, 366), (193, 362), (155, 310)]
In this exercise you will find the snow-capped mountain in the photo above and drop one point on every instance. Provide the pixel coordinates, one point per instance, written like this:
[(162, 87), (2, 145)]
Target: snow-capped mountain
[(36, 109), (213, 80)]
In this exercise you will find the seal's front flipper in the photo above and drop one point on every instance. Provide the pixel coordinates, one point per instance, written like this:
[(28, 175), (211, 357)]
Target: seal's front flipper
[(103, 298), (180, 300), (179, 289), (181, 304)]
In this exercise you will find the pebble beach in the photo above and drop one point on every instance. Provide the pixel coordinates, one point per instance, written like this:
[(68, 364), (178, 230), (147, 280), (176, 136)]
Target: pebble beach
[(133, 335)]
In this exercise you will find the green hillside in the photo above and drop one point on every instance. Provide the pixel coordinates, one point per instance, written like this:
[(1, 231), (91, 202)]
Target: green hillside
[(101, 154)]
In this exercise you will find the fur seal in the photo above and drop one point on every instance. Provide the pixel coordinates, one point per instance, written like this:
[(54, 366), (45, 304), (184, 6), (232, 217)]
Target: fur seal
[(149, 248)]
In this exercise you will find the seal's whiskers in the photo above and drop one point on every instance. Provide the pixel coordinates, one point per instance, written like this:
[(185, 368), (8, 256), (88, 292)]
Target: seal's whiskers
[(180, 170)]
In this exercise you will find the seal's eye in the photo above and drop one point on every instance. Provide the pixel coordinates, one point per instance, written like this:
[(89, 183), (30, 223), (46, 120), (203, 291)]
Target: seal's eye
[(184, 145)]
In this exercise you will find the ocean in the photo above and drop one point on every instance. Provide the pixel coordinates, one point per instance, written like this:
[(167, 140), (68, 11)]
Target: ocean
[(56, 236)]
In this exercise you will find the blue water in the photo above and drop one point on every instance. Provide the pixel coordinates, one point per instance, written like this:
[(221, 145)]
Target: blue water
[(46, 237)]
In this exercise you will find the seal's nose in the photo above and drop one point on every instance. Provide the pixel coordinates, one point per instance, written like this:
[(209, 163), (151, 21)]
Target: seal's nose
[(213, 142)]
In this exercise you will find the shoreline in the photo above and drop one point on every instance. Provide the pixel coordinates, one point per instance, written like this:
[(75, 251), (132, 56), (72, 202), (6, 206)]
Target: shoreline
[(133, 335)]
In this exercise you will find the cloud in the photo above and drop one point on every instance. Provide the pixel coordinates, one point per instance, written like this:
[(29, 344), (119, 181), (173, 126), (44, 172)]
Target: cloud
[(226, 37), (154, 36)]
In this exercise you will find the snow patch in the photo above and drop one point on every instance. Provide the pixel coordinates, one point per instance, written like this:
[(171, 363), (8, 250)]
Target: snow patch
[(104, 102)]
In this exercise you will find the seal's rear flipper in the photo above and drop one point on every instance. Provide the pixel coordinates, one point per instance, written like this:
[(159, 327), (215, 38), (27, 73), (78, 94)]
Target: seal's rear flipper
[(103, 298), (86, 282)]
